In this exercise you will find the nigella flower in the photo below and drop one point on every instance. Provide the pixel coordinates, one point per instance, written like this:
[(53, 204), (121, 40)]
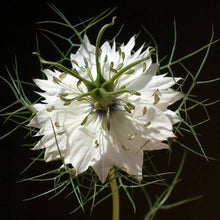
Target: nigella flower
[(105, 111)]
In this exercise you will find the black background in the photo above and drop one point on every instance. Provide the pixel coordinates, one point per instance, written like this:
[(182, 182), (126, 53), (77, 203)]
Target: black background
[(194, 23)]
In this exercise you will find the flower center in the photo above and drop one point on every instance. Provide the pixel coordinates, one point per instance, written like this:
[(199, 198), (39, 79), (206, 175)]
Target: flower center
[(103, 112)]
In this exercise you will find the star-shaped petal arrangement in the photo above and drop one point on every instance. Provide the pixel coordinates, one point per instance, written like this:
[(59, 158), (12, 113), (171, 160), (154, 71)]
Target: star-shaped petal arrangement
[(107, 110)]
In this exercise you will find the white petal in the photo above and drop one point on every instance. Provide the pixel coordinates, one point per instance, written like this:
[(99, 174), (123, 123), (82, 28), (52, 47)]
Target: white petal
[(156, 145), (140, 82), (104, 164), (82, 147), (174, 118), (125, 151), (161, 82), (86, 51), (127, 49), (167, 98)]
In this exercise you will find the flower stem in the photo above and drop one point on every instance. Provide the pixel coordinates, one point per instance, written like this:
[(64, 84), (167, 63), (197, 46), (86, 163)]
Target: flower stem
[(115, 194)]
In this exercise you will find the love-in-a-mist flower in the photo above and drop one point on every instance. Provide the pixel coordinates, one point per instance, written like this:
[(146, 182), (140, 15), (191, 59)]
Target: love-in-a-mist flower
[(105, 111)]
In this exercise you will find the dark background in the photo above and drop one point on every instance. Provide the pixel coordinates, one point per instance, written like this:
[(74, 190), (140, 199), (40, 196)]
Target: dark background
[(194, 23)]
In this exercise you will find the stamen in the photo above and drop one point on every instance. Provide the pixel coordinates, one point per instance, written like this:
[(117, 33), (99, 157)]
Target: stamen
[(78, 83), (86, 62), (127, 109), (111, 65), (125, 148), (144, 67), (96, 144), (56, 80), (83, 69), (75, 62), (106, 58), (144, 110), (62, 75), (51, 109), (132, 136), (156, 97), (97, 105), (111, 68), (57, 124), (114, 70), (108, 118), (86, 118), (119, 50), (120, 65), (89, 73), (133, 92), (130, 72), (61, 133), (147, 124), (67, 103), (131, 106), (123, 55)]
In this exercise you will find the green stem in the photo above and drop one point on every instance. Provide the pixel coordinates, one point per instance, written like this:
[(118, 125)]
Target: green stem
[(97, 51), (123, 70), (93, 92), (89, 84), (115, 194), (117, 92)]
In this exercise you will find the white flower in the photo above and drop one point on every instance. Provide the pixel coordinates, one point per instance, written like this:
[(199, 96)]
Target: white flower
[(108, 111)]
